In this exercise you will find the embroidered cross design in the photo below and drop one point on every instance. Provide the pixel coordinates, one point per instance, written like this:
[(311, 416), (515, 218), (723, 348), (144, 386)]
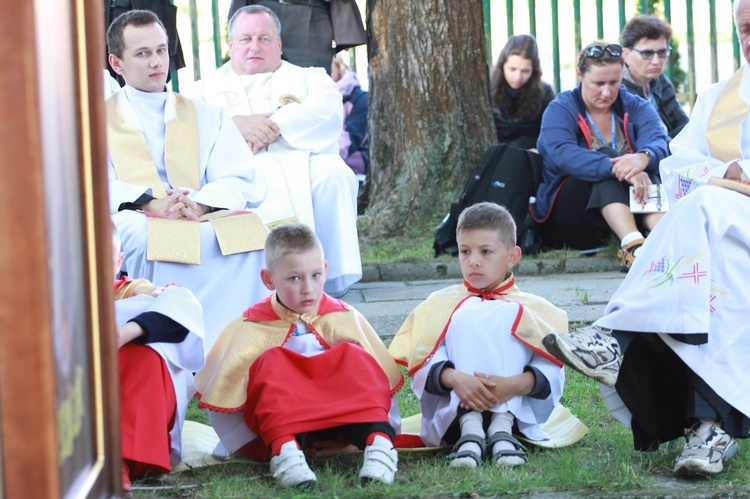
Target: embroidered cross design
[(696, 274)]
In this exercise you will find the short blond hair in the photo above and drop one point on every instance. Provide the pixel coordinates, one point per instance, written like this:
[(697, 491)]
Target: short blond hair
[(489, 216), (290, 238)]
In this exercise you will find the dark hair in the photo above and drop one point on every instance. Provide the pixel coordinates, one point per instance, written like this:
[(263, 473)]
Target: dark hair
[(250, 10), (528, 102), (646, 26), (137, 18), (585, 63), (489, 216)]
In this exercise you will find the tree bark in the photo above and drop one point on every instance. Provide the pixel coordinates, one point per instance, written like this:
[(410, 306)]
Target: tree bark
[(430, 112)]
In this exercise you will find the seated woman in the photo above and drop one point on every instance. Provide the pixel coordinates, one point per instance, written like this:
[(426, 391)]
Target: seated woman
[(353, 140), (596, 141), (519, 96)]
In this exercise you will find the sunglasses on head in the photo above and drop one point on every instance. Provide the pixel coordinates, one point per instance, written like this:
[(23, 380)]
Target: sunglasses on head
[(597, 51), (647, 55)]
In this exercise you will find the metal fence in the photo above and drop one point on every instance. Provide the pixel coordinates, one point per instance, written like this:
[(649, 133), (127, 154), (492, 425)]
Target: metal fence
[(555, 17), (517, 21)]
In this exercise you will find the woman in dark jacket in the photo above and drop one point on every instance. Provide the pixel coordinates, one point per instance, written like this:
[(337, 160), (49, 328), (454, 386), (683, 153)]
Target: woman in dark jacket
[(519, 96), (644, 37), (596, 141)]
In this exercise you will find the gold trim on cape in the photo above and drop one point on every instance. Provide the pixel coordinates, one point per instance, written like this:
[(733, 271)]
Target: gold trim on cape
[(416, 340), (222, 382), (724, 131)]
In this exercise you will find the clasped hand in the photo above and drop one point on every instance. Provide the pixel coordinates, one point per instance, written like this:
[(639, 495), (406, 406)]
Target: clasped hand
[(631, 168), (481, 392), (258, 130), (177, 206)]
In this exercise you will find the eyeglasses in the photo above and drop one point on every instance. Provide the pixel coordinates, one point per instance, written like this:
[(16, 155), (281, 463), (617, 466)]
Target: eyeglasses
[(647, 55), (597, 51)]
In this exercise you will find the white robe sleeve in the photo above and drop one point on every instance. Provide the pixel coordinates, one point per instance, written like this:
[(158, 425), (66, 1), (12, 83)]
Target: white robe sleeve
[(315, 125), (690, 164), (230, 179)]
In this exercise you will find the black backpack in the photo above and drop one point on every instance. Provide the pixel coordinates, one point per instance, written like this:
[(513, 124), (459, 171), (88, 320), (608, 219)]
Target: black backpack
[(504, 175)]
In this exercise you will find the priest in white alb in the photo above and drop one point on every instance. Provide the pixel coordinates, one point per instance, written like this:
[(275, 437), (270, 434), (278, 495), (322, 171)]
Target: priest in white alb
[(291, 118), (181, 180)]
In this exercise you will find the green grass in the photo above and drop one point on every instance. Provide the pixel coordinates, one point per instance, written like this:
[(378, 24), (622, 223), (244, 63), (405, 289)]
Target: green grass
[(602, 463), (416, 245)]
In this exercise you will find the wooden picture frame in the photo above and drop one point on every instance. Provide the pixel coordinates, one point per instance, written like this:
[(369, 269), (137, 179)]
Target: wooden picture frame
[(59, 425)]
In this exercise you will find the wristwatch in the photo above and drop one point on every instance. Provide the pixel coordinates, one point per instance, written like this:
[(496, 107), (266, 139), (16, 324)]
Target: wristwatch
[(647, 153)]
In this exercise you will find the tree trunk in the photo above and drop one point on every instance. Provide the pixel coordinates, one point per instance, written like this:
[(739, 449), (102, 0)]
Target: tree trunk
[(430, 113)]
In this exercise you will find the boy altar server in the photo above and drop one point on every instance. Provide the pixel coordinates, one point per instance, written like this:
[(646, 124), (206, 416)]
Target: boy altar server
[(474, 351), (160, 346), (172, 163), (300, 366)]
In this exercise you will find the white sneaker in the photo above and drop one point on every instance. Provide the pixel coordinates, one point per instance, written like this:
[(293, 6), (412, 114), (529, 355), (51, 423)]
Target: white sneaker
[(290, 468), (590, 350), (707, 448), (380, 462)]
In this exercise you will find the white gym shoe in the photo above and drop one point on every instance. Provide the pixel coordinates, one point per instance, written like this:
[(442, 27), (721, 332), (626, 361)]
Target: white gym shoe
[(290, 468), (380, 462), (590, 350), (707, 448)]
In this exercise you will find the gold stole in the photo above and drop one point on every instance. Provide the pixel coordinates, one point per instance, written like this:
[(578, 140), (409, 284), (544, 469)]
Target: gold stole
[(176, 240), (132, 159), (724, 131)]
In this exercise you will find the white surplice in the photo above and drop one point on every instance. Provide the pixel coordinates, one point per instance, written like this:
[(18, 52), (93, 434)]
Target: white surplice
[(182, 359), (690, 276), (304, 167), (224, 285), (479, 339)]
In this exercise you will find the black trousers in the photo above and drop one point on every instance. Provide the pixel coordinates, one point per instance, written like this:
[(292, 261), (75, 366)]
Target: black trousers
[(664, 395)]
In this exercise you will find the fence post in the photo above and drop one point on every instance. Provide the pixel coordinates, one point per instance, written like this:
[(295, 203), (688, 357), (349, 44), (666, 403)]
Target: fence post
[(509, 16), (196, 41), (691, 52), (577, 22), (556, 45), (488, 30), (217, 31), (712, 38)]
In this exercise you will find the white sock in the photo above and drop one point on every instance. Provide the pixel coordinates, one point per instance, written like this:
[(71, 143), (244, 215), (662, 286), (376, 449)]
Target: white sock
[(471, 424), (503, 422), (629, 238)]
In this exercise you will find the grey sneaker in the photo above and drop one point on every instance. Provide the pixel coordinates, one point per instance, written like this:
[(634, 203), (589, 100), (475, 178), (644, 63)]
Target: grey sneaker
[(590, 350), (707, 448), (290, 468)]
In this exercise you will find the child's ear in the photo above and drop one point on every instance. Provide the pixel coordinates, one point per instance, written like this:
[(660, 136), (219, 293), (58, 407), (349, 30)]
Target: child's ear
[(514, 256), (267, 278)]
